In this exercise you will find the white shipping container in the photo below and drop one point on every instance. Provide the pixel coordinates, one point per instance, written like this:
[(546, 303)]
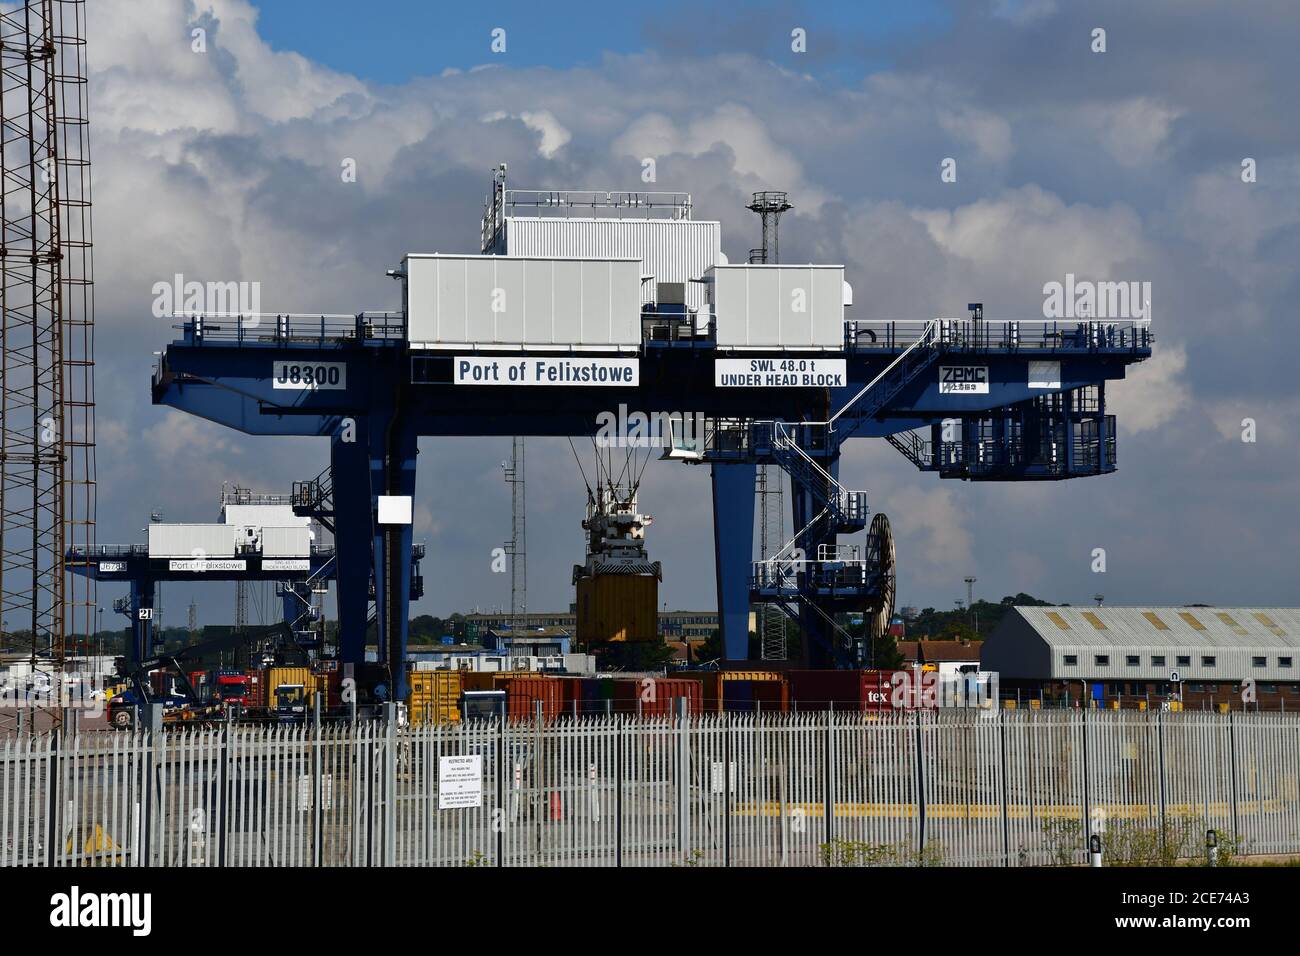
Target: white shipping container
[(189, 540), (672, 250), (780, 307), (286, 542), (513, 302)]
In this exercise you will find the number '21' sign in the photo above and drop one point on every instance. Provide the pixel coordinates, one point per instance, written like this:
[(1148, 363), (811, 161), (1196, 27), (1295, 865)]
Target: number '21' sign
[(310, 376)]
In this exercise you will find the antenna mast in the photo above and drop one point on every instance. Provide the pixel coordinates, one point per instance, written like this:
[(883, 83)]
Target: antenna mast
[(771, 525), (517, 546)]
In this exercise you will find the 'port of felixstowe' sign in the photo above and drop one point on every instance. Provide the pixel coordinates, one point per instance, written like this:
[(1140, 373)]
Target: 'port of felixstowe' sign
[(502, 370), (779, 373), (460, 782), (208, 564)]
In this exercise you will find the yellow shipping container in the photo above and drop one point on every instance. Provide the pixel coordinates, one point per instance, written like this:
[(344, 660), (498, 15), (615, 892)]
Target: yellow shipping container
[(618, 607), (435, 697), (751, 675), (289, 675)]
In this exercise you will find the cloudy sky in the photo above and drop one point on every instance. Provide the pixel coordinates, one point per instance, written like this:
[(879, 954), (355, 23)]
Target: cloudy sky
[(224, 164)]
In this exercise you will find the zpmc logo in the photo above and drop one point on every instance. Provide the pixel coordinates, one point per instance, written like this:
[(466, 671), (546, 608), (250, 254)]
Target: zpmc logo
[(963, 378)]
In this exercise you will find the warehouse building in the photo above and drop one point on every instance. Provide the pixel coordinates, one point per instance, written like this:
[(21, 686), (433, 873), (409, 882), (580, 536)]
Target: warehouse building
[(1197, 655)]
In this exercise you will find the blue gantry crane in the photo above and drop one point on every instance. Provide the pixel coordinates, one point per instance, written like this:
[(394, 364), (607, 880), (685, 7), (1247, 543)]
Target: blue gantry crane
[(588, 306), (262, 538)]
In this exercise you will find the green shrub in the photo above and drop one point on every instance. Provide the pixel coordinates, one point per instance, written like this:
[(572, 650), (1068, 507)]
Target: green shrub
[(856, 853)]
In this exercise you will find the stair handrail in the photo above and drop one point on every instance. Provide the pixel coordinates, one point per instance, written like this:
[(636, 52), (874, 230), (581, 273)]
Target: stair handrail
[(782, 439), (925, 339), (910, 444), (845, 636), (789, 546)]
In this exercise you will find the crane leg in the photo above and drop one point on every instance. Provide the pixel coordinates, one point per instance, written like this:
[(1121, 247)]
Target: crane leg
[(393, 442), (353, 539), (733, 544)]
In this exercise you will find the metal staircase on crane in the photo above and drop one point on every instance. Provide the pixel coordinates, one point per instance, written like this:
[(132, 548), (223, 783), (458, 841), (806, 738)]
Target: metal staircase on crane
[(812, 570), (314, 498), (299, 596), (843, 511), (885, 387)]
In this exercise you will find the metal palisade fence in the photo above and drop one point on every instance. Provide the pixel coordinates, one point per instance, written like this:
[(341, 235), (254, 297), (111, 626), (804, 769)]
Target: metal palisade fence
[(932, 788)]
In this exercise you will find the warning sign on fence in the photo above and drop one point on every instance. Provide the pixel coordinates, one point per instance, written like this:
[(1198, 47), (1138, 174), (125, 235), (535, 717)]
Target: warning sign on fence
[(460, 782)]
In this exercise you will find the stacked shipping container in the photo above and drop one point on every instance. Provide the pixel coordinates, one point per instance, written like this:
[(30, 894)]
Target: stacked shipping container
[(866, 690)]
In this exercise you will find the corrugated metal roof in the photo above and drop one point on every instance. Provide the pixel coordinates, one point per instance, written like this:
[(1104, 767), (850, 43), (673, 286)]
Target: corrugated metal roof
[(1147, 643), (1192, 627)]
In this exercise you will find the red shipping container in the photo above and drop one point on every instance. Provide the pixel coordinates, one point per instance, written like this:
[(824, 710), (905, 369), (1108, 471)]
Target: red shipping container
[(870, 690), (331, 682), (656, 696), (878, 690), (524, 693), (570, 695)]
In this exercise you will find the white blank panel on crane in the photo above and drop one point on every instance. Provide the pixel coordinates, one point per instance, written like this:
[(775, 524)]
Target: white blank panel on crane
[(779, 307), (286, 542), (191, 540), (458, 302)]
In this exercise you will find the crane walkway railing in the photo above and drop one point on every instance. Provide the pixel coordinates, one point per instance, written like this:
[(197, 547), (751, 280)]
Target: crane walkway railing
[(981, 335), (284, 328), (1088, 454)]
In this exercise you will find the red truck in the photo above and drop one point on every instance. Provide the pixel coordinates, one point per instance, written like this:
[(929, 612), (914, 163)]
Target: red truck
[(237, 691)]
